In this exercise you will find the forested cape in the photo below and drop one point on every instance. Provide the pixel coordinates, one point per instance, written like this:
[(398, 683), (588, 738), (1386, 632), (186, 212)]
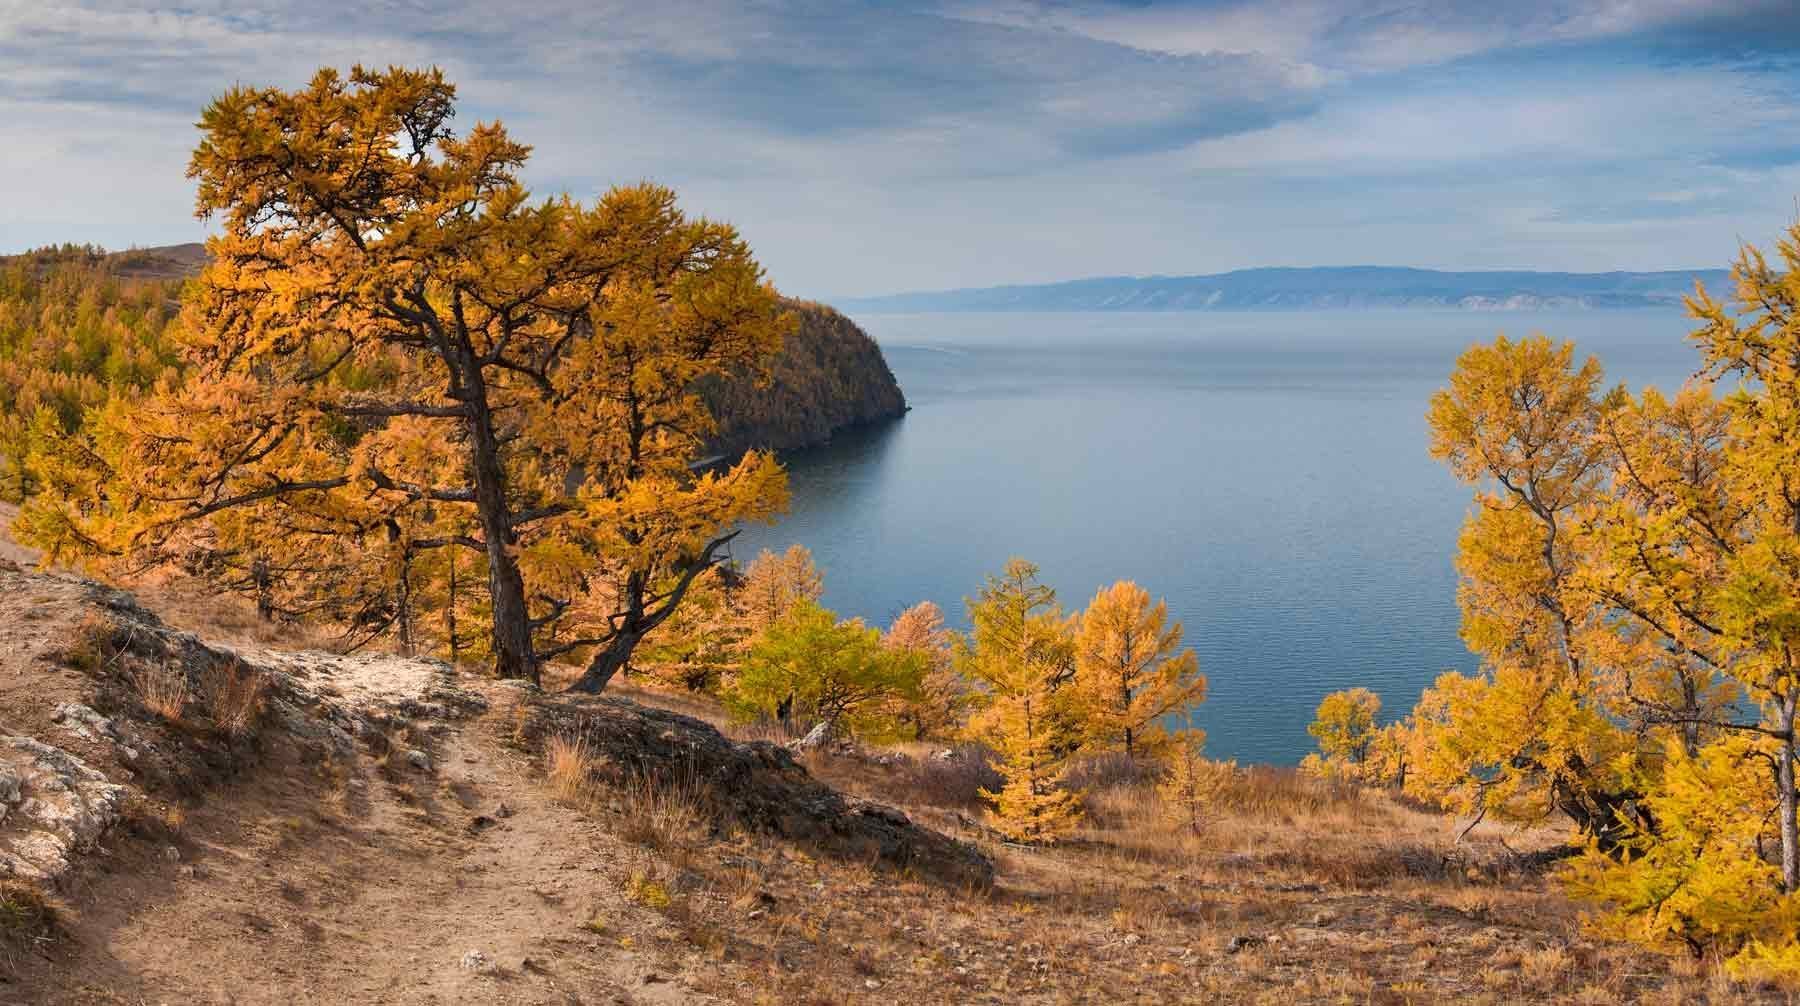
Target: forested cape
[(75, 318)]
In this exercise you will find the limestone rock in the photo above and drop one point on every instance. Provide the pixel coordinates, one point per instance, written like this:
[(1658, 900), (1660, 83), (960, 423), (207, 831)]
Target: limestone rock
[(62, 806)]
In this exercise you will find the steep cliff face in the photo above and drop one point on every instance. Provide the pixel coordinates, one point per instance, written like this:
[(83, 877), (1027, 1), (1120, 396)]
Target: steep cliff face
[(830, 376)]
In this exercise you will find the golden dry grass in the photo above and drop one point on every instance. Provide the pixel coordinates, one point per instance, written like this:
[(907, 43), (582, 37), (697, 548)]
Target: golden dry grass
[(162, 690), (235, 694), (568, 770), (1294, 890), (28, 919)]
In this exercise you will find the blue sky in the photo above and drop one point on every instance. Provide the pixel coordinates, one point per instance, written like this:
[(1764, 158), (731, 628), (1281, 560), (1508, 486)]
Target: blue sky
[(873, 147)]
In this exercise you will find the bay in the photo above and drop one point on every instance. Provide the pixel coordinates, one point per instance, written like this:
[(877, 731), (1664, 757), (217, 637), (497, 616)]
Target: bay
[(1266, 473)]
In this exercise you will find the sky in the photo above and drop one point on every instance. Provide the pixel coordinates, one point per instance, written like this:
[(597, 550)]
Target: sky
[(866, 148)]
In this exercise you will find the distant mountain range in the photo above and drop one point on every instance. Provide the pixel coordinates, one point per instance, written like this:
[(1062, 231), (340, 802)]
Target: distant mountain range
[(1318, 288)]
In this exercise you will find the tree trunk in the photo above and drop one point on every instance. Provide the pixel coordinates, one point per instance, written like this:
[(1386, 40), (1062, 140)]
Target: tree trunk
[(404, 600), (1784, 775), (263, 582), (450, 616), (608, 661), (513, 655)]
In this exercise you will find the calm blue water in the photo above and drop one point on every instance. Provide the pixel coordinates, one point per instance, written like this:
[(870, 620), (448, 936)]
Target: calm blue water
[(1265, 473)]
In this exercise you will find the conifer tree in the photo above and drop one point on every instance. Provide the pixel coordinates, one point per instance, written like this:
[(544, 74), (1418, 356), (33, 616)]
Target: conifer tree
[(944, 695), (1190, 788), (393, 343), (1131, 671), (1021, 649), (829, 672), (1344, 726), (1529, 735), (774, 584)]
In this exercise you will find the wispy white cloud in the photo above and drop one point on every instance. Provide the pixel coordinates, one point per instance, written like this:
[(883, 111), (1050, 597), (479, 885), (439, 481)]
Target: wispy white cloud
[(871, 146)]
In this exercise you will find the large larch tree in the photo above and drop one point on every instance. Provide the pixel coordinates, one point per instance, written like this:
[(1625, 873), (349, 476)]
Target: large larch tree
[(395, 347)]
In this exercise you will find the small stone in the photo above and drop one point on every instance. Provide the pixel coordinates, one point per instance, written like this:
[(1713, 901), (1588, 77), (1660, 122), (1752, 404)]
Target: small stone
[(503, 811), (1243, 943), (871, 984), (12, 788), (1131, 939), (171, 854), (418, 759), (474, 960)]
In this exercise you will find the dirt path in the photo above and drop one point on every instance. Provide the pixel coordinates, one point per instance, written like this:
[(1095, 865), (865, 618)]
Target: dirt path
[(369, 884)]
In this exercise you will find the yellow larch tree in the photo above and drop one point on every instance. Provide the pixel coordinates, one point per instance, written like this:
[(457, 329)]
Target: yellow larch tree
[(1020, 649), (1529, 734), (1131, 671), (391, 336), (774, 584), (1189, 792), (1344, 727), (1695, 551), (943, 696)]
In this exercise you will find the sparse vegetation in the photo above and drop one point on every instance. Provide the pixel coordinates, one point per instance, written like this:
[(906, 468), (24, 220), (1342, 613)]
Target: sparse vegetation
[(163, 690), (234, 696), (28, 921), (569, 769)]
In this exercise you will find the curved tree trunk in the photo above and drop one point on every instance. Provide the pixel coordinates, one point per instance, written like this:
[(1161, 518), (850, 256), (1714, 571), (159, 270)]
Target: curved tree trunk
[(608, 661)]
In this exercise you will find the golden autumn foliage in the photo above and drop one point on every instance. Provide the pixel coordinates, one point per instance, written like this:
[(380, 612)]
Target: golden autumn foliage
[(1528, 735), (774, 585), (75, 331), (1631, 579), (1131, 671), (395, 351), (1353, 746), (1190, 788), (1020, 648), (944, 695)]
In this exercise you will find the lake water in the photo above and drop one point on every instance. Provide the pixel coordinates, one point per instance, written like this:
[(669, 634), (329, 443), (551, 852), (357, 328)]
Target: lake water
[(1266, 473)]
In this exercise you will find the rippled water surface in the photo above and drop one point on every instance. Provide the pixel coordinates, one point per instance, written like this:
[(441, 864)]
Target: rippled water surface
[(1266, 473)]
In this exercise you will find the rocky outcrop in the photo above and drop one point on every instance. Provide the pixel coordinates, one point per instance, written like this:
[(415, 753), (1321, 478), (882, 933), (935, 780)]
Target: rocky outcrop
[(78, 744), (829, 376), (53, 805), (756, 785)]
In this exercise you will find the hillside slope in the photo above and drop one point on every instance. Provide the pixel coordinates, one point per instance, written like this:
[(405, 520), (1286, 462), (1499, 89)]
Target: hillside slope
[(829, 376), (245, 825), (384, 830)]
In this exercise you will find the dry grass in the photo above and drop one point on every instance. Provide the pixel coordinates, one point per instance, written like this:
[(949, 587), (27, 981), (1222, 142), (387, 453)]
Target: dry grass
[(162, 690), (28, 921), (235, 694), (92, 648), (664, 813), (197, 605), (1295, 890), (569, 769)]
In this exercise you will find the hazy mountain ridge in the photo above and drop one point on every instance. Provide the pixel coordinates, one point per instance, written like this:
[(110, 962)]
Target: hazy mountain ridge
[(1318, 288)]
